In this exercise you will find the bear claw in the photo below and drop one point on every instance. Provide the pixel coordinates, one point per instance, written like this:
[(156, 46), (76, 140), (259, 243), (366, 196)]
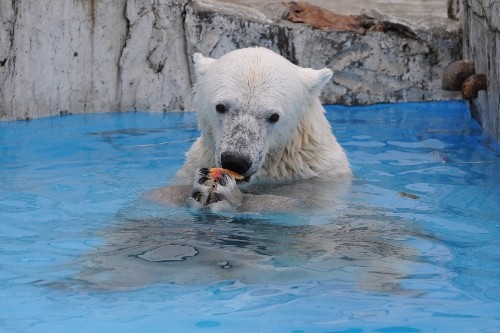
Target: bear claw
[(214, 186), (202, 180), (196, 195)]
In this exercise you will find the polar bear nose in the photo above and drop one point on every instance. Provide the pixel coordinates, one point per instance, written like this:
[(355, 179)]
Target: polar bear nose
[(235, 162)]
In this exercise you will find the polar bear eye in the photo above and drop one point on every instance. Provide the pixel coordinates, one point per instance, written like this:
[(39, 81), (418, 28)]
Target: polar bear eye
[(273, 119), (221, 108)]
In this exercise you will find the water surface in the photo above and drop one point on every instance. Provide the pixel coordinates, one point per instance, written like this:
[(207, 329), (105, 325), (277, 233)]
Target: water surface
[(414, 247)]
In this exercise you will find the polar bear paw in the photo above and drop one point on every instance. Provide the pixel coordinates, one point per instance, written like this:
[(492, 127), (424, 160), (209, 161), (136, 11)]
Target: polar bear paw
[(217, 193)]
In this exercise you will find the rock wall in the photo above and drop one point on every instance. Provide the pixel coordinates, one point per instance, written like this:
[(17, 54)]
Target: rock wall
[(481, 33), (59, 56)]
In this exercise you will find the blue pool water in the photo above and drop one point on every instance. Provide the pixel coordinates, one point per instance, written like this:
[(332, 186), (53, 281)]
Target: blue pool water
[(414, 248)]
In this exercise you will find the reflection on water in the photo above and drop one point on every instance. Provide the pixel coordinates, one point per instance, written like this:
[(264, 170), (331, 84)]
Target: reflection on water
[(71, 218), (363, 247)]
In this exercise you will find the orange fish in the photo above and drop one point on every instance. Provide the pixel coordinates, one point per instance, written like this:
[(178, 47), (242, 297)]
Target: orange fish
[(216, 173)]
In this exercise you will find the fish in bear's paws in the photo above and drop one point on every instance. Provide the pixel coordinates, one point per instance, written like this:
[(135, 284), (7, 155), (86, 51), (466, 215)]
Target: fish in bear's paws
[(216, 187)]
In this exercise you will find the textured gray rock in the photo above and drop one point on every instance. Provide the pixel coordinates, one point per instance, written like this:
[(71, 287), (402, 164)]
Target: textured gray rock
[(453, 9), (153, 67), (107, 55), (481, 32), (378, 67), (60, 57)]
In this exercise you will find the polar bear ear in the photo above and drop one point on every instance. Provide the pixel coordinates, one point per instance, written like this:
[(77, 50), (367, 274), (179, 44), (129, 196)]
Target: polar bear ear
[(201, 64), (315, 79)]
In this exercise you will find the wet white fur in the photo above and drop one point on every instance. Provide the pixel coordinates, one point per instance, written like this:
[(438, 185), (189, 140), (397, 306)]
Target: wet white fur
[(255, 83)]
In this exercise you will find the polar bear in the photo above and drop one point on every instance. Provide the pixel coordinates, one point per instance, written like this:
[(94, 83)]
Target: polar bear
[(260, 116)]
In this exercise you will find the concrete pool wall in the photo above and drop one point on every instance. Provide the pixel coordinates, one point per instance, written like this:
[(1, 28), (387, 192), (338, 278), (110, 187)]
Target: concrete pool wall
[(60, 57), (481, 31)]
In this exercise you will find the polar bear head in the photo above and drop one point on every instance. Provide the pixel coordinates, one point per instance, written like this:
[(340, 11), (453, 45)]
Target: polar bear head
[(251, 102)]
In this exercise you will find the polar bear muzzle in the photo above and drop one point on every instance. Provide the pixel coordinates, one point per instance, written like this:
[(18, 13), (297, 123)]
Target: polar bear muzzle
[(242, 142), (236, 162)]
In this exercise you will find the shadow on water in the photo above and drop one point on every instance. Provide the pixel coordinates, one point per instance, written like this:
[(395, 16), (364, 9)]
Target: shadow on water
[(361, 248)]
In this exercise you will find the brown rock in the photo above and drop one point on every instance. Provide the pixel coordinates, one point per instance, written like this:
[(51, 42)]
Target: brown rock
[(321, 18), (472, 85), (455, 74)]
